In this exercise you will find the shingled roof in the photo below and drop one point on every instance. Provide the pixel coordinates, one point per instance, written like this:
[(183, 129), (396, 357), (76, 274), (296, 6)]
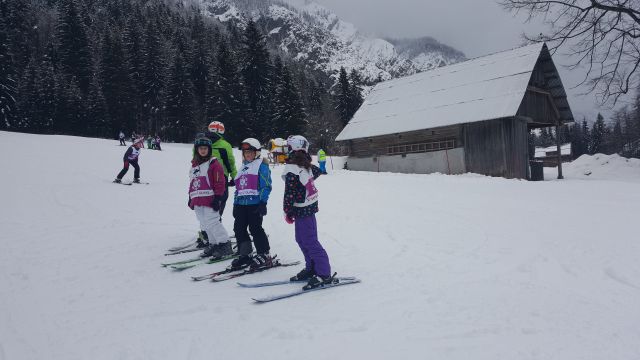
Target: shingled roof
[(484, 88)]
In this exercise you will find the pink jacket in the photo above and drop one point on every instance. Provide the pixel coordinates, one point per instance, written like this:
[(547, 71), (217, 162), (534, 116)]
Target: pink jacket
[(199, 187)]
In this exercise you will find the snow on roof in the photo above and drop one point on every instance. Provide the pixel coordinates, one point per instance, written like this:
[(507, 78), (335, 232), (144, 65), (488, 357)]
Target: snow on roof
[(541, 152), (483, 88)]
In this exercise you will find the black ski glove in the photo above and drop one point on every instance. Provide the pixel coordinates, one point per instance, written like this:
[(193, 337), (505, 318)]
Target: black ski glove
[(262, 209), (231, 183), (189, 203), (215, 203)]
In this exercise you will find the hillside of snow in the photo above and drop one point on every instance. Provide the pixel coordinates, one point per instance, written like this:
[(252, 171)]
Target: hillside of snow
[(600, 167), (312, 34), (452, 267)]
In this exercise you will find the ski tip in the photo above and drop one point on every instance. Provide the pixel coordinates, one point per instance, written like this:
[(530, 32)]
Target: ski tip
[(181, 268)]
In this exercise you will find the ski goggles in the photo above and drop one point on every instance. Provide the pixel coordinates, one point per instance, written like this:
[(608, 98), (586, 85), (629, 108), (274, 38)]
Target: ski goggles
[(245, 146)]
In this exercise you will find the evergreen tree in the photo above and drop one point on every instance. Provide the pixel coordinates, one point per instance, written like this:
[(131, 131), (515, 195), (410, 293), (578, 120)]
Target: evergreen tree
[(17, 17), (586, 136), (324, 122), (7, 79), (577, 141), (74, 52), (546, 137), (116, 84), (71, 112), (563, 134), (288, 116), (180, 103), (48, 95), (355, 89), (597, 135), (256, 75), (226, 99), (29, 100), (199, 66), (97, 112), (133, 44), (153, 79), (343, 101), (617, 139)]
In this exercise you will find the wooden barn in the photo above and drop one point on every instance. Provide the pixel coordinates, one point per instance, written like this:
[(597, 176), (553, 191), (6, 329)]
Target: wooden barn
[(473, 116)]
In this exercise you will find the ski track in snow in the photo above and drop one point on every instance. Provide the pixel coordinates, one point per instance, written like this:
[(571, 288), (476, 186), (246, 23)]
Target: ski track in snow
[(452, 267)]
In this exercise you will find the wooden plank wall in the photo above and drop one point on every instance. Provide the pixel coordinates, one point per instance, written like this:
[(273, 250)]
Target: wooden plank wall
[(497, 147), (378, 145)]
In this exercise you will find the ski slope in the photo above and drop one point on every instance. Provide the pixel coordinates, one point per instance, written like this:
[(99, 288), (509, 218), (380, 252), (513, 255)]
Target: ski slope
[(452, 267)]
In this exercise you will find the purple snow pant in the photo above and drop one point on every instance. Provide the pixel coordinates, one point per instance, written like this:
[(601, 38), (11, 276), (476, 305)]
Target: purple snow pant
[(307, 238)]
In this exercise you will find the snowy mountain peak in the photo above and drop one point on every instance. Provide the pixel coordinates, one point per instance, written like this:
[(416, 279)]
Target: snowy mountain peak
[(310, 33)]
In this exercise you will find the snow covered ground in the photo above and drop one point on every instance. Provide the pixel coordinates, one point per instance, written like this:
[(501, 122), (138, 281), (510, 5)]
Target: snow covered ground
[(453, 267), (599, 167)]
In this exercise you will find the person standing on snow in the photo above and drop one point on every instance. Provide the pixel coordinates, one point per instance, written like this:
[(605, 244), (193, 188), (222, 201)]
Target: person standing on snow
[(121, 137), (223, 151), (158, 143), (300, 205), (206, 187), (131, 158), (253, 186), (322, 161)]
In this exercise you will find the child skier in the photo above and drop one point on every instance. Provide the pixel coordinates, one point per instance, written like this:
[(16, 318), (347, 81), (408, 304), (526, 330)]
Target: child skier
[(300, 205), (206, 188), (131, 158), (224, 152), (253, 186), (322, 161)]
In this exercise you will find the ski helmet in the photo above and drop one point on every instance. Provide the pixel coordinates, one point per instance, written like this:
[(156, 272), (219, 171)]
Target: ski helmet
[(216, 127), (297, 143), (202, 141), (250, 144)]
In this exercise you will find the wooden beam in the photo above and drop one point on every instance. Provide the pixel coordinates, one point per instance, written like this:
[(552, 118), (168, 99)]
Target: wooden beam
[(559, 151), (549, 97)]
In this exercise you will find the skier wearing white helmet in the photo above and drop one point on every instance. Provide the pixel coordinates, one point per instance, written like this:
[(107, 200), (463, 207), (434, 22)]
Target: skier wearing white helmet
[(253, 186), (300, 206)]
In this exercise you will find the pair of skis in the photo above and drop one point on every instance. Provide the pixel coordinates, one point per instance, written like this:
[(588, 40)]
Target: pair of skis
[(336, 281), (193, 262), (189, 247), (232, 273), (129, 183)]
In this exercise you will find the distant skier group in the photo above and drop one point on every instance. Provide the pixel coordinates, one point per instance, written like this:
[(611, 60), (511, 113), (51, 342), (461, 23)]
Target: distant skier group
[(153, 142)]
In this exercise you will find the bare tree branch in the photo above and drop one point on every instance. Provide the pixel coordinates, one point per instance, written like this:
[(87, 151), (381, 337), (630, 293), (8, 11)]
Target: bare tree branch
[(602, 35)]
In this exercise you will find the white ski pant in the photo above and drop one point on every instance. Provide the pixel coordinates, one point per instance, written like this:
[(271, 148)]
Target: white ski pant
[(210, 222)]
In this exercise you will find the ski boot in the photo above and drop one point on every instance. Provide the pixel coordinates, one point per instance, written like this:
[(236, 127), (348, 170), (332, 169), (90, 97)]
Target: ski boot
[(137, 181), (261, 261), (203, 240), (240, 263), (317, 281), (117, 181), (211, 251), (225, 249), (304, 275)]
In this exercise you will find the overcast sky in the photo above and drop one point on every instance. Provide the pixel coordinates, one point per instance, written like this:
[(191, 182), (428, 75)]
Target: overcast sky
[(475, 27)]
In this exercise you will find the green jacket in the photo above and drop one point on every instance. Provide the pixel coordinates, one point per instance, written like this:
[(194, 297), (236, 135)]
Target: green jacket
[(322, 156), (222, 150)]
